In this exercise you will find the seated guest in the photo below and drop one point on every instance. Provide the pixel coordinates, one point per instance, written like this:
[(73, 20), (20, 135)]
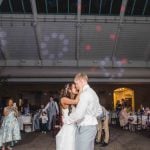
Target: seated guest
[(36, 121), (41, 110), (123, 117), (141, 109), (10, 131), (146, 111)]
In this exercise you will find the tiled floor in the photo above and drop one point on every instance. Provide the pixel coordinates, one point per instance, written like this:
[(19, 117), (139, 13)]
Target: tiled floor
[(120, 140)]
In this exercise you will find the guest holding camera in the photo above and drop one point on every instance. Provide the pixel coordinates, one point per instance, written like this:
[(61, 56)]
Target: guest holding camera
[(10, 131)]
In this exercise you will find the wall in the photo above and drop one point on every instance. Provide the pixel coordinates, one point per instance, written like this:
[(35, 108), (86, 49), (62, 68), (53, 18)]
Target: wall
[(39, 93)]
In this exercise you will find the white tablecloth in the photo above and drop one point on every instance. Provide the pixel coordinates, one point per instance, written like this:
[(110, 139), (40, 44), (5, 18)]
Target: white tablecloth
[(144, 119), (24, 120)]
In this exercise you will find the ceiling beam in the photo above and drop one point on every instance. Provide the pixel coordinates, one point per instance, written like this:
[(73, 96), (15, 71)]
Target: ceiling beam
[(2, 52), (1, 49), (1, 2), (36, 28), (66, 80), (66, 72), (147, 53), (71, 63), (122, 14), (78, 28)]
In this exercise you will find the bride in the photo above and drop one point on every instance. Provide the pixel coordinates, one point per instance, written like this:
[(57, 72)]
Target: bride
[(65, 139)]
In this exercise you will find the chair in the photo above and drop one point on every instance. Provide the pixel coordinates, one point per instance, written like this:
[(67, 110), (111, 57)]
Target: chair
[(27, 122), (114, 118), (148, 122), (27, 125), (136, 123)]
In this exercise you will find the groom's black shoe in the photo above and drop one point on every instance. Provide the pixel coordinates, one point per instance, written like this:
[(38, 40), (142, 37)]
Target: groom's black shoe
[(104, 144), (97, 142)]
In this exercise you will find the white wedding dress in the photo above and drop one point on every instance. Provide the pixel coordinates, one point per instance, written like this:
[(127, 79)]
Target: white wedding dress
[(65, 139)]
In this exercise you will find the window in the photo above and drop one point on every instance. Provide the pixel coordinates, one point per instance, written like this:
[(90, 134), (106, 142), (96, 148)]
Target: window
[(27, 6), (129, 7), (95, 6), (85, 7), (41, 6), (139, 6), (63, 6), (88, 7), (116, 6), (5, 8), (147, 9), (73, 6), (51, 6), (106, 4), (17, 6)]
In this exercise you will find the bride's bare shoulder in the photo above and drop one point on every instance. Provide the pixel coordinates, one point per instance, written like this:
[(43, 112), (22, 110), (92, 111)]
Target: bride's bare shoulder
[(63, 101)]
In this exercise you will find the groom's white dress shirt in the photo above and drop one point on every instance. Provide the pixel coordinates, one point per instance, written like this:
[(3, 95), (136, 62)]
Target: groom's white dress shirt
[(87, 109)]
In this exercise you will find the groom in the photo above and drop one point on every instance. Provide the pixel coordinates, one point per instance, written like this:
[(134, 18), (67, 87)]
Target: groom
[(86, 114)]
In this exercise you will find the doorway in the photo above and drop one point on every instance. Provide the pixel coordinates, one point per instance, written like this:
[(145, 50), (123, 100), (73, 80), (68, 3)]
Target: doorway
[(126, 94)]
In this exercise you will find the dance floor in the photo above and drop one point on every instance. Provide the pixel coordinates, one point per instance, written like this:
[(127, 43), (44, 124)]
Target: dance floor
[(119, 140)]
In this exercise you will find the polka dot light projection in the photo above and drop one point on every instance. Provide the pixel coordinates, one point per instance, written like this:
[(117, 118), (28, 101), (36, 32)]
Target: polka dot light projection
[(59, 37)]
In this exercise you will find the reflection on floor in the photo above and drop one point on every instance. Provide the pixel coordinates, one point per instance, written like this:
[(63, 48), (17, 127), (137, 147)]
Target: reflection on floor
[(120, 140)]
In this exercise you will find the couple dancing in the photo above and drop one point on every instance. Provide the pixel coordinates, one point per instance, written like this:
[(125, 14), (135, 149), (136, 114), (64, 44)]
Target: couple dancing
[(80, 123)]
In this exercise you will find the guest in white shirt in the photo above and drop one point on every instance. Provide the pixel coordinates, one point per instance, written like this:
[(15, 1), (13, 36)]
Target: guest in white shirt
[(86, 114)]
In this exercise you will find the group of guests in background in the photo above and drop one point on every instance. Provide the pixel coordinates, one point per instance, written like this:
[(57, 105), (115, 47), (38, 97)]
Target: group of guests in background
[(144, 110), (122, 104), (44, 120), (9, 130), (124, 111)]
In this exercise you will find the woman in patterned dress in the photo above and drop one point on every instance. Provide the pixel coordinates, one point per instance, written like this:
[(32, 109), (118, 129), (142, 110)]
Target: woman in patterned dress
[(10, 127)]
